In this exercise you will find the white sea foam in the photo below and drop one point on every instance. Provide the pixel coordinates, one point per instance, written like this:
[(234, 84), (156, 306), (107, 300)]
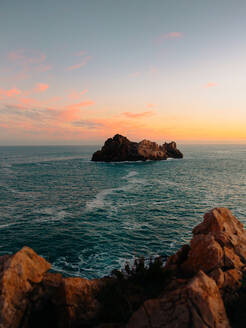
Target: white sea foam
[(133, 225), (130, 174), (51, 214), (8, 224), (101, 200)]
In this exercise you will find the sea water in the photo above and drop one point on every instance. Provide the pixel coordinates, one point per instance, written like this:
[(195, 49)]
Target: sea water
[(88, 218)]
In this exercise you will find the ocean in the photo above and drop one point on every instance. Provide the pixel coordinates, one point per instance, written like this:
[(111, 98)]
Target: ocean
[(88, 218)]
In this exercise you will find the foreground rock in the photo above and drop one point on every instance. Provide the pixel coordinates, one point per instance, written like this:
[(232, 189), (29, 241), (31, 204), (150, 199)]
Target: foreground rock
[(19, 275), (197, 304), (201, 286), (119, 148)]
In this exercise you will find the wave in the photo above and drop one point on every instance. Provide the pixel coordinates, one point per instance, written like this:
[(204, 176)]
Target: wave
[(101, 201), (50, 214), (130, 174)]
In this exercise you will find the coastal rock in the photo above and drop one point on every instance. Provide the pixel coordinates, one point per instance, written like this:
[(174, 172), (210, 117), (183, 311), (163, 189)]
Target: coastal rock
[(18, 277), (119, 148), (197, 304), (218, 247), (81, 303)]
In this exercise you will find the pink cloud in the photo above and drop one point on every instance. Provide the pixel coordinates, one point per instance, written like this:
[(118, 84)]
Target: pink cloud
[(28, 101), (72, 111), (153, 70), (169, 36), (27, 62), (24, 56), (76, 95), (210, 85), (81, 53), (79, 65), (135, 74), (10, 93), (41, 87), (138, 115)]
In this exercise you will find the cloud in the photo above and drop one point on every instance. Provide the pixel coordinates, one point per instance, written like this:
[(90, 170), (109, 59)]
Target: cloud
[(90, 124), (26, 57), (150, 105), (41, 87), (25, 62), (79, 65), (9, 93), (37, 113), (76, 95), (81, 53), (135, 74), (153, 70), (71, 112), (169, 36), (138, 115), (210, 85), (28, 101), (82, 104)]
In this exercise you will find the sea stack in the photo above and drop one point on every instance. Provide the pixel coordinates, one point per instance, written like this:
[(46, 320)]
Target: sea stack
[(119, 149)]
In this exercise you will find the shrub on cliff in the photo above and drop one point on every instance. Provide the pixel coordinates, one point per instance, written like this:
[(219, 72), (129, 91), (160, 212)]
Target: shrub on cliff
[(126, 290)]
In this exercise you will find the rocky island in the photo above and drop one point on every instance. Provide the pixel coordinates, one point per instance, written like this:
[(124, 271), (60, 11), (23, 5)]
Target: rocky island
[(201, 286), (119, 148)]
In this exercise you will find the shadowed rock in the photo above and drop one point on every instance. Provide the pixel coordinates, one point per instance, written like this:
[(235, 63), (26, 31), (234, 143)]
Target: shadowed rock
[(197, 304), (119, 148)]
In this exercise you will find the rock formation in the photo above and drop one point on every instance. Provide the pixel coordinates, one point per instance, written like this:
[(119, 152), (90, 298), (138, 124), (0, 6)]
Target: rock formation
[(204, 286), (119, 148)]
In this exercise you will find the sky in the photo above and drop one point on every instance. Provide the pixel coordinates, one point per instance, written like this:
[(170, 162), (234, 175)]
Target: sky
[(80, 71)]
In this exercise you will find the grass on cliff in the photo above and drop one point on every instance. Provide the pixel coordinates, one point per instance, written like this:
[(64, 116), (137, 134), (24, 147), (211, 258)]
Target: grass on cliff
[(126, 290)]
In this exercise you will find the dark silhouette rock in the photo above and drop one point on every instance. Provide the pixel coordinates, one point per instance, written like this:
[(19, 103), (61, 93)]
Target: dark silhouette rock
[(119, 148)]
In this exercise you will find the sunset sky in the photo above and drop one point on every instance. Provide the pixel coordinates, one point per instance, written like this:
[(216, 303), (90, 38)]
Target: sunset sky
[(79, 71)]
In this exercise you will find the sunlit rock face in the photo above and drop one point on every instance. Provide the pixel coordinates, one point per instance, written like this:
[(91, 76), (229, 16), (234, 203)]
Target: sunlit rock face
[(119, 148)]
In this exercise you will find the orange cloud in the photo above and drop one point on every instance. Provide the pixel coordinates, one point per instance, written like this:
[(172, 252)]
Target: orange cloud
[(10, 93), (138, 115), (79, 65), (72, 112), (41, 87), (150, 105), (28, 101), (210, 85)]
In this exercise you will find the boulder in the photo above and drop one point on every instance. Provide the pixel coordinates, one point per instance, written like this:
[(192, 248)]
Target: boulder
[(19, 275), (119, 148), (218, 247), (196, 304)]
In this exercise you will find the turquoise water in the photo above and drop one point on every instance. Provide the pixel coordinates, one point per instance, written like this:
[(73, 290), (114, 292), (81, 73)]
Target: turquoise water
[(88, 218)]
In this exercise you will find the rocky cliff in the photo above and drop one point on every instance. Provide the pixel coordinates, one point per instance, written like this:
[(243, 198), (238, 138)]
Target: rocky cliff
[(202, 285), (119, 148)]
